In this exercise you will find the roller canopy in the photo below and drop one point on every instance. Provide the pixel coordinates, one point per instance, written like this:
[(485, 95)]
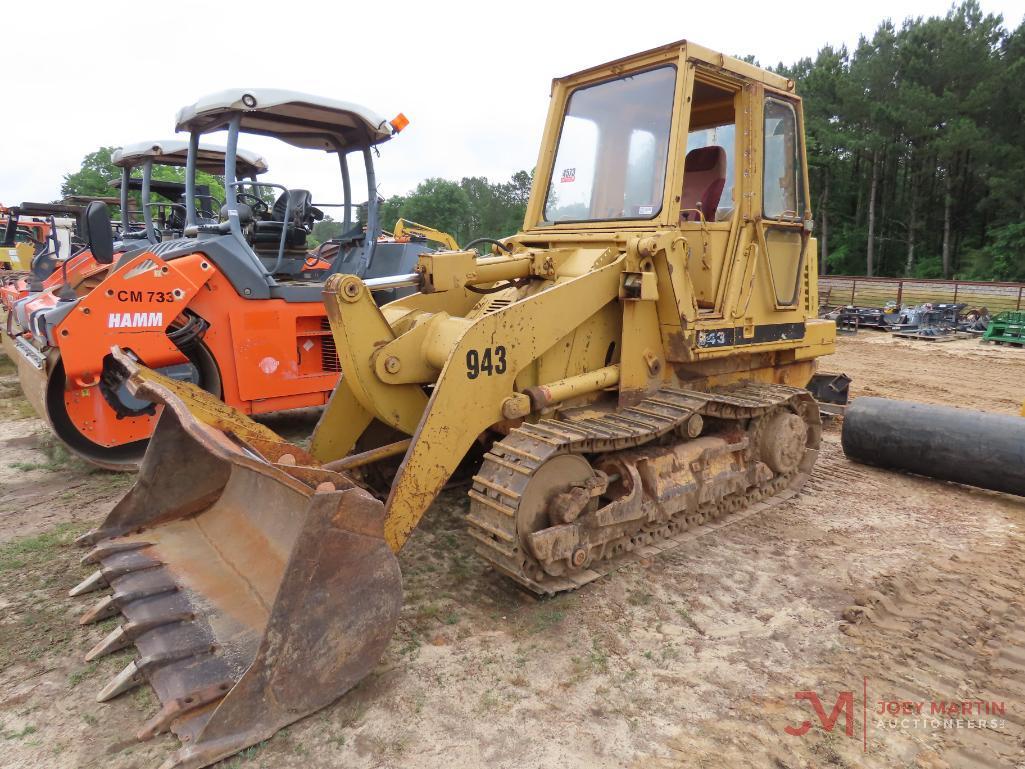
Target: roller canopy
[(175, 152), (303, 120)]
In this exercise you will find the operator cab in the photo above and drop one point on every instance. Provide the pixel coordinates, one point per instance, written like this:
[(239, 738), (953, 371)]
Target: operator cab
[(165, 219), (706, 144), (265, 226)]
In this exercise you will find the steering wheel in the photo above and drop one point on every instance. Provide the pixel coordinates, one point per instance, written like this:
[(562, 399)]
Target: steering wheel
[(258, 204)]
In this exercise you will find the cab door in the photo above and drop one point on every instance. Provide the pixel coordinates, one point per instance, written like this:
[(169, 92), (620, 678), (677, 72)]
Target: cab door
[(782, 229)]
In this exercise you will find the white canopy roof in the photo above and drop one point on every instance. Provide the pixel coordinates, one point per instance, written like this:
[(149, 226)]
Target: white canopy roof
[(301, 119), (174, 152)]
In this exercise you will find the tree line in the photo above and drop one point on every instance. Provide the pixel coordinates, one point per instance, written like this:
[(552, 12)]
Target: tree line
[(916, 148), (96, 177), (468, 209)]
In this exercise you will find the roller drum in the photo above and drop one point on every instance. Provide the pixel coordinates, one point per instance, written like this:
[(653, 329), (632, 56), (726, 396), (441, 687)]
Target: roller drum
[(971, 447)]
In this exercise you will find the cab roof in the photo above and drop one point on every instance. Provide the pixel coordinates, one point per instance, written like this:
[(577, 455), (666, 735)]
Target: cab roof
[(174, 152), (301, 119), (712, 60)]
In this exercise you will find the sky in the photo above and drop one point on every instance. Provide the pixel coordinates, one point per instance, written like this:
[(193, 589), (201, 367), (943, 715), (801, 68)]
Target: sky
[(473, 78)]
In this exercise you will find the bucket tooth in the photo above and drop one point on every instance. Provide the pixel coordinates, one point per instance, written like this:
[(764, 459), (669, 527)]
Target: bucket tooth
[(115, 641), (136, 672), (179, 706), (104, 608), (126, 591), (123, 595), (127, 679), (124, 563), (95, 581), (124, 636), (89, 538), (109, 548)]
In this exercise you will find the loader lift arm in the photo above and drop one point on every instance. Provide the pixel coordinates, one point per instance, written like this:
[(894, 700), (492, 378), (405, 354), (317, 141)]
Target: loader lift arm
[(467, 399)]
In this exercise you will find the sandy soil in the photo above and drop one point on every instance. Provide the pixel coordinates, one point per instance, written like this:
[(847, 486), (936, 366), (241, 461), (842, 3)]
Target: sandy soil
[(904, 588), (962, 372)]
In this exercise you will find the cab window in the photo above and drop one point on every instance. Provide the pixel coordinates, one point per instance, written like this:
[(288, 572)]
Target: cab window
[(709, 163), (613, 150), (782, 178), (724, 138)]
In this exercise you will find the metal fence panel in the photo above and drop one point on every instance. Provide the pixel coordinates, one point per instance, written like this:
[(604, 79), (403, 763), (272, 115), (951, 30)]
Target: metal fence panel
[(875, 292)]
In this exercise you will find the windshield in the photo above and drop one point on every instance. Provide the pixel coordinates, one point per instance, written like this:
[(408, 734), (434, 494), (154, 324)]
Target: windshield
[(613, 148)]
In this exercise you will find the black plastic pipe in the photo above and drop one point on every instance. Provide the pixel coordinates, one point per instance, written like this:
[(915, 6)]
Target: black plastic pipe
[(975, 448)]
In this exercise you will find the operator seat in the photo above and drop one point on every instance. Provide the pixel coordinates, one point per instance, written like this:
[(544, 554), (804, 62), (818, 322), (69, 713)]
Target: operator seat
[(704, 176), (303, 215)]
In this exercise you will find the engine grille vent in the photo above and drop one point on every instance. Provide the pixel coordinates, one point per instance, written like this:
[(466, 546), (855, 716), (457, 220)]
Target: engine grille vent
[(328, 351), (497, 304)]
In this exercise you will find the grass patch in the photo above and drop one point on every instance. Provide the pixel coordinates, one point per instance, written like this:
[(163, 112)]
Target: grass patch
[(354, 714), (546, 618), (80, 675), (595, 663), (337, 740), (57, 458), (41, 629), (143, 696), (32, 571), (28, 467), (411, 648), (246, 755), (490, 701), (685, 616), (18, 408), (460, 567), (32, 550), (12, 735), (640, 597), (430, 611), (599, 658)]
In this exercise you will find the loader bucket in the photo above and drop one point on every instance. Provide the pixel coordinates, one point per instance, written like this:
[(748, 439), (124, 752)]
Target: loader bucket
[(256, 588)]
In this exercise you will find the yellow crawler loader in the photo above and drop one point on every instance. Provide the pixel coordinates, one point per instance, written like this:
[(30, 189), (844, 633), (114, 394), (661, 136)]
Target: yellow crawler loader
[(631, 365)]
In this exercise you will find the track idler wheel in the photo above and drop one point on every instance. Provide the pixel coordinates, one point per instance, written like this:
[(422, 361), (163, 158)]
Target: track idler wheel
[(782, 441)]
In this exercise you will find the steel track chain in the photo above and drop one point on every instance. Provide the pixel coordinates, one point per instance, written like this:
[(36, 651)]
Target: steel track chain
[(511, 463)]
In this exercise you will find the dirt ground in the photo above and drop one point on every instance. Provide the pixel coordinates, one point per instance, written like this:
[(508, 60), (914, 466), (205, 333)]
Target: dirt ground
[(868, 588)]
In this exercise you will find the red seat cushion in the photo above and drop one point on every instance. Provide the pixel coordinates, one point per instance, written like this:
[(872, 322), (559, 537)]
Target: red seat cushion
[(704, 177)]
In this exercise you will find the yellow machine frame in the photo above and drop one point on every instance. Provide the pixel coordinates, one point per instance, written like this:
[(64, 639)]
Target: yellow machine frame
[(558, 329)]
